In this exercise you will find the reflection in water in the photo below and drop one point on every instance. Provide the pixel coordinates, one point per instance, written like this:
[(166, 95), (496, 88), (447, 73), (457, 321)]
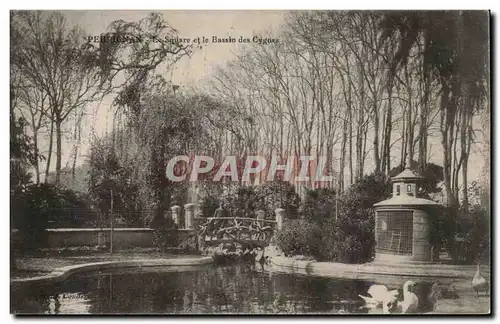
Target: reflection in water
[(231, 289)]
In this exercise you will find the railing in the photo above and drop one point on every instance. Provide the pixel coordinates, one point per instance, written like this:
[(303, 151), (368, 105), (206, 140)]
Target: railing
[(241, 230)]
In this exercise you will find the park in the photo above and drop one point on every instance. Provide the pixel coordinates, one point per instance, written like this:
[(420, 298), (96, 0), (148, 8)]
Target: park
[(339, 163)]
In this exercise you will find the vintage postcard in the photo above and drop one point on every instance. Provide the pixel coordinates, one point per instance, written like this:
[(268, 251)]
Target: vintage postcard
[(250, 162)]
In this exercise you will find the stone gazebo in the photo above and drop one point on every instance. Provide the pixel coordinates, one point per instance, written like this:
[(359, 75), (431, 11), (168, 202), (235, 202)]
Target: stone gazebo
[(402, 222)]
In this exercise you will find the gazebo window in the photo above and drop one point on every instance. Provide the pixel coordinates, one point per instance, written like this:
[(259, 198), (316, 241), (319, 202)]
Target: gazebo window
[(398, 190)]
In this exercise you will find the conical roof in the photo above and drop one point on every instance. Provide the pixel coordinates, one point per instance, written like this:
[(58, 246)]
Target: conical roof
[(406, 201), (407, 174)]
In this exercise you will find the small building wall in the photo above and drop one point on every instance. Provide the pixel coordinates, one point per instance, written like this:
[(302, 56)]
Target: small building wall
[(421, 246)]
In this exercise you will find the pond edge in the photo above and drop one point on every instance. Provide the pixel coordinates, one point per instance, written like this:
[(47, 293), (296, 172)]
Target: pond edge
[(366, 270), (60, 274)]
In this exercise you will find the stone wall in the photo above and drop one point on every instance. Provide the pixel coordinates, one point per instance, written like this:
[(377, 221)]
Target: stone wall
[(123, 238)]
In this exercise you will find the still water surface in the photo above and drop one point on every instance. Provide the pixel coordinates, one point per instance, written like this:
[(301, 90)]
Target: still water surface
[(193, 290)]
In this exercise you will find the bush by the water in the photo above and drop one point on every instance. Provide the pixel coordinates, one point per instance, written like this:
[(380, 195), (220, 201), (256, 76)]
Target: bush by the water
[(299, 237), (40, 206), (244, 201), (466, 234), (319, 205), (164, 238), (350, 238)]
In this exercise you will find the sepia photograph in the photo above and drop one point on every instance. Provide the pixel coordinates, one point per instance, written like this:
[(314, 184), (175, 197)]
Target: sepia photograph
[(250, 162)]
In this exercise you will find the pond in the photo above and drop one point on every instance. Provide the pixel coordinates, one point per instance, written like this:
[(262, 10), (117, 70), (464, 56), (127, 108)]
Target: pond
[(242, 288)]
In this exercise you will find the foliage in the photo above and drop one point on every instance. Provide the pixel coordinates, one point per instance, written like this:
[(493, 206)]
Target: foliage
[(319, 205), (190, 244), (240, 201), (365, 192), (299, 237), (274, 195), (164, 238), (75, 210), (32, 209), (21, 154), (79, 181), (244, 201), (40, 206), (107, 177), (465, 234), (164, 124), (351, 237), (208, 205)]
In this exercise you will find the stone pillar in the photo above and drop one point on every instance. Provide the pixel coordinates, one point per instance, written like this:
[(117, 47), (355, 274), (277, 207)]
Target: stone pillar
[(176, 212), (280, 214), (189, 216)]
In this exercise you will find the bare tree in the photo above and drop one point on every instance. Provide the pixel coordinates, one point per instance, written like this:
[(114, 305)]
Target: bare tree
[(54, 60)]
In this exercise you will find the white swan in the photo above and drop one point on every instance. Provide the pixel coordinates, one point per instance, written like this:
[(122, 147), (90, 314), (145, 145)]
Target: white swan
[(380, 295), (410, 299), (479, 283), (409, 304)]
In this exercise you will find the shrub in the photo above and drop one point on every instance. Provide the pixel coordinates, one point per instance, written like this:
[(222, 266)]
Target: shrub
[(273, 195), (351, 237), (240, 201), (208, 206), (165, 238), (443, 227), (468, 239), (319, 205), (245, 201), (348, 239), (32, 209), (299, 237), (75, 210)]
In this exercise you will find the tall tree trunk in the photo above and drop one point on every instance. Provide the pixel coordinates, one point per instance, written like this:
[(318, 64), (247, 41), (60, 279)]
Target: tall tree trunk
[(423, 131), (342, 158), (388, 131), (360, 126), (409, 116), (58, 150), (37, 164), (402, 157), (158, 176), (75, 157), (465, 141), (376, 125), (447, 122), (351, 171), (49, 153)]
